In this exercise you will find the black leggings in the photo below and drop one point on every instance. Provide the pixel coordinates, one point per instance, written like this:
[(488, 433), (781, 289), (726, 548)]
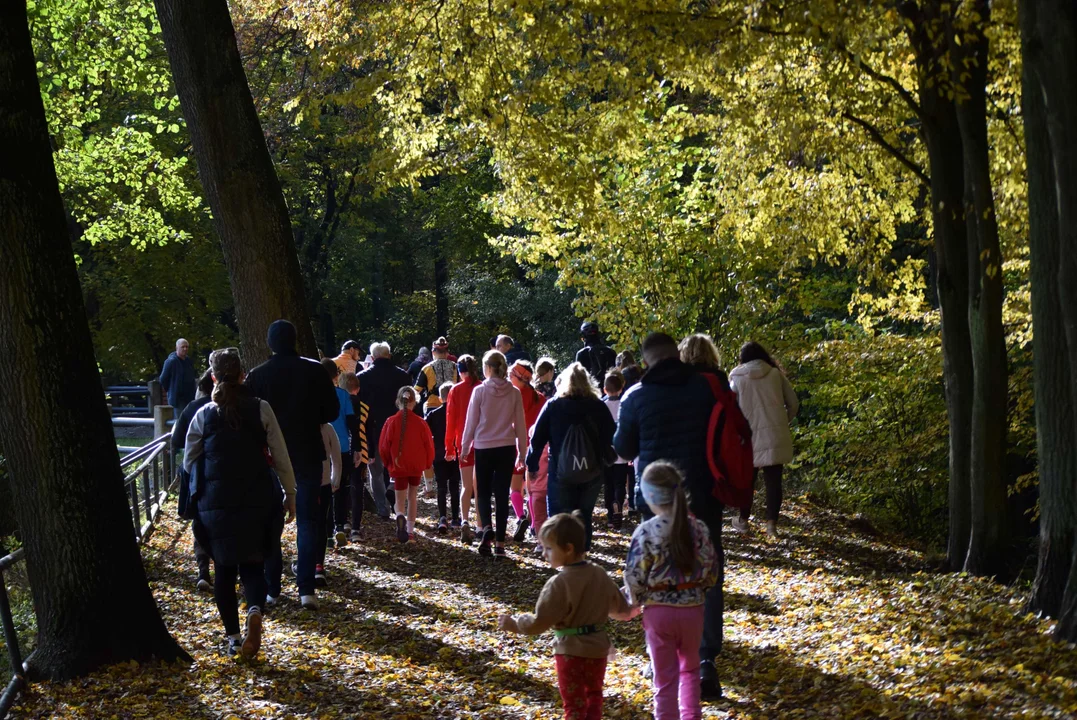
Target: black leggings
[(493, 474), (324, 526), (447, 475), (616, 484), (342, 497), (772, 478), (253, 576)]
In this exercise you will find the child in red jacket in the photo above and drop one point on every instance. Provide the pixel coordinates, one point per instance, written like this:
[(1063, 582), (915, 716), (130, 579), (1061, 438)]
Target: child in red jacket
[(407, 449)]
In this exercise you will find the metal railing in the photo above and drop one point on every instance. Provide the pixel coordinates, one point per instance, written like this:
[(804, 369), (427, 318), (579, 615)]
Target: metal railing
[(147, 482), (11, 639)]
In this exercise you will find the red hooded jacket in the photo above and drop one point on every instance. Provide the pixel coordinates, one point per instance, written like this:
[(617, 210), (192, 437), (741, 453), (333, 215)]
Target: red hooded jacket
[(456, 414), (418, 451)]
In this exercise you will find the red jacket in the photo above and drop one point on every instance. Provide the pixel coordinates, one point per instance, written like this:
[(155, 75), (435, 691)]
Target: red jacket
[(418, 452), (456, 414), (533, 402)]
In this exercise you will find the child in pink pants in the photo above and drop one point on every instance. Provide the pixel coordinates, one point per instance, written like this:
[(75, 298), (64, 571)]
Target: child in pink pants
[(671, 563)]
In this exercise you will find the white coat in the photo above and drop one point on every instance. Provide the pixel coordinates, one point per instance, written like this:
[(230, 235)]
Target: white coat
[(768, 401)]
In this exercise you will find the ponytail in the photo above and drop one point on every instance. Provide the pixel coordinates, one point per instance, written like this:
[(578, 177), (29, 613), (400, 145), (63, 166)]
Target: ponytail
[(227, 369), (468, 366), (403, 395), (661, 485)]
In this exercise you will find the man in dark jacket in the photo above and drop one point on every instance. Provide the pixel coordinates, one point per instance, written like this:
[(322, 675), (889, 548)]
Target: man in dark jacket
[(378, 387), (511, 349), (179, 438), (178, 378), (595, 355), (665, 417), (303, 399)]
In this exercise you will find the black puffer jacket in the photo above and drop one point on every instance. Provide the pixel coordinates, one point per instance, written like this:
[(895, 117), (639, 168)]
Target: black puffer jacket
[(302, 397), (378, 387)]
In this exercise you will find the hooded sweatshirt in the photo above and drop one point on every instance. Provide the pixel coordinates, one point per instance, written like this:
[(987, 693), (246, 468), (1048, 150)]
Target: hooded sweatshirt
[(495, 417), (456, 414), (412, 456), (769, 403)]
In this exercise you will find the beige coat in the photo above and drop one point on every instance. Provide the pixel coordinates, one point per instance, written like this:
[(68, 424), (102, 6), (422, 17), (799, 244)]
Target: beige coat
[(768, 401)]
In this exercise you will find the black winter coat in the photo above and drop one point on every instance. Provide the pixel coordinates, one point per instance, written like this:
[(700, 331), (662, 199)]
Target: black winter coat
[(303, 399), (553, 423), (378, 387), (240, 498), (436, 418)]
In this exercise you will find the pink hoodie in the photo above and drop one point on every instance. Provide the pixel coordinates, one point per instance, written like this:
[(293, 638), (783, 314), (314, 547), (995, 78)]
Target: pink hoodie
[(495, 418)]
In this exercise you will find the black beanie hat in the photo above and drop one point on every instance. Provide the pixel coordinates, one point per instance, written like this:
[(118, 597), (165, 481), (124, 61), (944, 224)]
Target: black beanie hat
[(282, 337)]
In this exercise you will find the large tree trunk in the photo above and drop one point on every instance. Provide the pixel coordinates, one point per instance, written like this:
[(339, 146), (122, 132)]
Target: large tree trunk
[(91, 598), (987, 546), (942, 137), (237, 173), (1049, 47)]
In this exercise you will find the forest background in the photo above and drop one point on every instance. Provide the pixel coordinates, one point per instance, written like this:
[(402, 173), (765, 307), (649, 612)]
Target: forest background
[(767, 187)]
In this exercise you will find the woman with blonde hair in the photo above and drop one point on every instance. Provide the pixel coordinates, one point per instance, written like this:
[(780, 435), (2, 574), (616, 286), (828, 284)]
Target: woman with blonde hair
[(495, 434), (576, 404)]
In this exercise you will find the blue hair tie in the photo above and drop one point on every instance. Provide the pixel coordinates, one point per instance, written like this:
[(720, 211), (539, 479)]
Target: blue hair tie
[(657, 495)]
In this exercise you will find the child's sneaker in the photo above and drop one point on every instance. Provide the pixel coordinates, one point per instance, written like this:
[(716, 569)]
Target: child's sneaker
[(271, 601), (309, 602), (235, 642), (319, 576), (253, 641), (521, 527), (487, 540), (443, 527), (466, 536), (456, 523), (411, 536), (356, 536), (499, 552), (401, 529), (740, 525)]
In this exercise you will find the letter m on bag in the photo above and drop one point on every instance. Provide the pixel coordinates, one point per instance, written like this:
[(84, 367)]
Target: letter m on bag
[(579, 463)]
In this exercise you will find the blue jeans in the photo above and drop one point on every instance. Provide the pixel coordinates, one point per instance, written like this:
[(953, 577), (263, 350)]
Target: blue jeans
[(553, 491), (580, 497), (307, 525), (377, 486)]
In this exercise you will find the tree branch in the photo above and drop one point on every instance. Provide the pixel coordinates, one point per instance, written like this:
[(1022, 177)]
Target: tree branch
[(881, 141)]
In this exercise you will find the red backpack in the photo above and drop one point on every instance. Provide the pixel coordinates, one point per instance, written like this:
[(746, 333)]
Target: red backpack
[(729, 448)]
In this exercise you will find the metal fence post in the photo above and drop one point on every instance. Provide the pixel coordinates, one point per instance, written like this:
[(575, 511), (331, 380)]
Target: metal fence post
[(134, 507)]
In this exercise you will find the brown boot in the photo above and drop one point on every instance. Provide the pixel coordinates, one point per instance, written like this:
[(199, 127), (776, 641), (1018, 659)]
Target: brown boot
[(253, 641)]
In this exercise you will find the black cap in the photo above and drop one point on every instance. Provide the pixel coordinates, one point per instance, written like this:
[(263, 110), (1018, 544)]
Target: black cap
[(282, 337), (589, 329)]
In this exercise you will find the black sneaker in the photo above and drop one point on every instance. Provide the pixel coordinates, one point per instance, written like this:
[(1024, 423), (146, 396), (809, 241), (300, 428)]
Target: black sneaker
[(521, 527), (319, 576), (401, 529), (487, 540), (710, 688), (499, 552), (443, 527), (617, 521)]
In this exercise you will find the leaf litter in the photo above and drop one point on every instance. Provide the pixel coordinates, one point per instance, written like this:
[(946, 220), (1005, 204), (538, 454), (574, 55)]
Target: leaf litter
[(824, 623)]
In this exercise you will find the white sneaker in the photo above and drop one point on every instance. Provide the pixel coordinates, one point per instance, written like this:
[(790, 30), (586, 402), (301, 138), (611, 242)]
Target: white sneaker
[(309, 602), (740, 525), (347, 527), (271, 600)]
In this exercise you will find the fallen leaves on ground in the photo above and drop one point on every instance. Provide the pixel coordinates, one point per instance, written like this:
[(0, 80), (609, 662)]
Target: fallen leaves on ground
[(823, 623)]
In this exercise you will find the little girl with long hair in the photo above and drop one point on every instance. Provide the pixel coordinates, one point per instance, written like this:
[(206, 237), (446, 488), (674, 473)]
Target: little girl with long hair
[(671, 564), (407, 449)]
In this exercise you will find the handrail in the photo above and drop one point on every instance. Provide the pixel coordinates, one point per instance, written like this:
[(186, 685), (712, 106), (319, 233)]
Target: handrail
[(152, 465)]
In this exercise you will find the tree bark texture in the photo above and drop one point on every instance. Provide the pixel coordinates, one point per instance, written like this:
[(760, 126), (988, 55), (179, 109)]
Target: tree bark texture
[(987, 543), (1049, 34), (942, 137), (91, 597), (249, 211), (441, 286)]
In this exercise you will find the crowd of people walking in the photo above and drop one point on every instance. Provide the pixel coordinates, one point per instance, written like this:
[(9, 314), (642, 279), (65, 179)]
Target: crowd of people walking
[(323, 443)]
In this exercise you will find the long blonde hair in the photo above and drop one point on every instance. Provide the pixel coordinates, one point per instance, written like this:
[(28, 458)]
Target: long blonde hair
[(402, 396), (575, 381)]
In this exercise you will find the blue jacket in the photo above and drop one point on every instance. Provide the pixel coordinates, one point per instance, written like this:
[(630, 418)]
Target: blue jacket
[(553, 423), (178, 381), (664, 417)]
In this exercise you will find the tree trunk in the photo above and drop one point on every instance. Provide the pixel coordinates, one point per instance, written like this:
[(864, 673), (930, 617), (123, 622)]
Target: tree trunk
[(942, 137), (441, 286), (237, 173), (91, 598), (987, 546), (1048, 33)]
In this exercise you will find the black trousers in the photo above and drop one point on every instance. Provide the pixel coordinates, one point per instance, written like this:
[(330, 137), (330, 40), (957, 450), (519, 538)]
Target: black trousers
[(709, 512), (772, 478), (447, 475), (616, 486), (493, 476), (324, 521), (630, 496), (253, 576)]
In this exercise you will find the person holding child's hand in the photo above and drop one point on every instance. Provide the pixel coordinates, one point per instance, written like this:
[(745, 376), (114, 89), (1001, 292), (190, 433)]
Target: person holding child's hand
[(575, 604)]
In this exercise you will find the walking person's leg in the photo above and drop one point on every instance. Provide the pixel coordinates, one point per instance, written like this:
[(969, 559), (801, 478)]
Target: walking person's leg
[(660, 631), (201, 556), (308, 490), (452, 469), (630, 494), (413, 505), (467, 492), (740, 524), (359, 475), (485, 469), (690, 626), (586, 500), (400, 508), (441, 477), (594, 673), (709, 512), (772, 478), (377, 486), (570, 683), (504, 466), (620, 480), (342, 497), (224, 594), (254, 591), (274, 559), (325, 519)]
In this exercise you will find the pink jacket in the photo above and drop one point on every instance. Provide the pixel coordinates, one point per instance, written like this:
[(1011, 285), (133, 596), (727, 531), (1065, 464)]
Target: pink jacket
[(495, 418)]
